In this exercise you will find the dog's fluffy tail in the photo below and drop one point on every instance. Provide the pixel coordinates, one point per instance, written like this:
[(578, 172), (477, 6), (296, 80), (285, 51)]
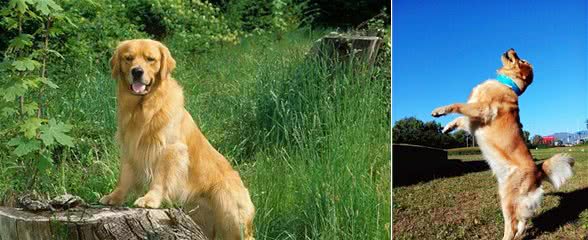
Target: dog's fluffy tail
[(557, 169)]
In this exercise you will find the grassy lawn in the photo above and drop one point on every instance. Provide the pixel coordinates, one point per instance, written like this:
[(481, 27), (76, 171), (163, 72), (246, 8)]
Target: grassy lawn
[(467, 206), (310, 139)]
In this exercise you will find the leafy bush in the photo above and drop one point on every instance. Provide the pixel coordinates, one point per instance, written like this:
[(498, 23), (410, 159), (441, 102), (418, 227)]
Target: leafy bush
[(99, 26), (197, 24), (34, 137), (348, 13), (414, 131), (277, 16)]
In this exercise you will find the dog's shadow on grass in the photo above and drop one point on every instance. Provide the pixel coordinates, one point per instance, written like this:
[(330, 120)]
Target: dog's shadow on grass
[(416, 172), (571, 205)]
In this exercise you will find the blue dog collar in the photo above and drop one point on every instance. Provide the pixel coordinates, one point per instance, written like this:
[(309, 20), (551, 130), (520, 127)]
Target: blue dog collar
[(501, 78)]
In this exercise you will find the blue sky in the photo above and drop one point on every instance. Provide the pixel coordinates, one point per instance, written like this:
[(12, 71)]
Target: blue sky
[(442, 49)]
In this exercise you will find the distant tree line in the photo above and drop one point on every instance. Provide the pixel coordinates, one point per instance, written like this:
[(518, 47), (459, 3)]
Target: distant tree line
[(414, 131)]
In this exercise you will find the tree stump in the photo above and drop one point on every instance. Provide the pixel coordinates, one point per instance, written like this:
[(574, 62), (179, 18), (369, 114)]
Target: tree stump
[(342, 47), (89, 223)]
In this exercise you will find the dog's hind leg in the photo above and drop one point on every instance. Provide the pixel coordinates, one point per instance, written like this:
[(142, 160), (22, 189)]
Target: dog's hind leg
[(527, 205), (201, 212), (233, 210), (510, 221), (509, 203), (520, 196)]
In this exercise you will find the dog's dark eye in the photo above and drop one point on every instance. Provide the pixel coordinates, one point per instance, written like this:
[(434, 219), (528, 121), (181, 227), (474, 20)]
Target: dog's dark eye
[(150, 59), (129, 58)]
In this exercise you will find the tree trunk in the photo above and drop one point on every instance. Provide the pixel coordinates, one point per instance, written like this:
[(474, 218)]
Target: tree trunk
[(83, 223)]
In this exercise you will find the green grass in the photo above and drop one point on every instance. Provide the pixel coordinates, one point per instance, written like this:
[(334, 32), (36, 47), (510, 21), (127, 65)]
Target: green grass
[(310, 138), (463, 151), (467, 207)]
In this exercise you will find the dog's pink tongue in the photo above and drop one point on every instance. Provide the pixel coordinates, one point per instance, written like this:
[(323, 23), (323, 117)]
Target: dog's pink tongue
[(138, 87)]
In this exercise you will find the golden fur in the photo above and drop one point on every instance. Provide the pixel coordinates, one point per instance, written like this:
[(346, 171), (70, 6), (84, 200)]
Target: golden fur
[(492, 115), (161, 146)]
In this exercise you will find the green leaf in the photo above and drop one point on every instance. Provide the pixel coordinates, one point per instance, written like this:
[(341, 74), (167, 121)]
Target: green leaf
[(19, 5), (54, 131), (9, 23), (47, 138), (10, 93), (32, 82), (55, 31), (28, 147), (24, 146), (30, 127), (5, 65), (6, 12), (69, 21), (56, 53), (49, 83), (30, 108), (19, 65), (8, 111), (45, 6), (21, 41), (45, 162), (54, 5), (25, 64), (15, 141)]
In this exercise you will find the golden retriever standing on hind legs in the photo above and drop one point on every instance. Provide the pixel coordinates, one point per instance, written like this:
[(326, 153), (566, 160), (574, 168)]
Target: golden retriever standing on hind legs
[(492, 115), (161, 146)]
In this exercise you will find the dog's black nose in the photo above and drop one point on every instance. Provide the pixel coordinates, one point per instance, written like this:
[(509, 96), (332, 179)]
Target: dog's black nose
[(137, 72)]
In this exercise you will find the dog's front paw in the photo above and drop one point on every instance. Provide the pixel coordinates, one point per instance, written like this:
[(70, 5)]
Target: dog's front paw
[(440, 111), (448, 128), (451, 126), (112, 199), (148, 201)]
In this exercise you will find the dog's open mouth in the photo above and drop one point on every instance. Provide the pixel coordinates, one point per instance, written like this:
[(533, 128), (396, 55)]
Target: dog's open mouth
[(139, 88)]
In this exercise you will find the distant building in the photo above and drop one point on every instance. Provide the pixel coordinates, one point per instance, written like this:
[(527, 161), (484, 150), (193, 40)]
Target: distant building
[(548, 140)]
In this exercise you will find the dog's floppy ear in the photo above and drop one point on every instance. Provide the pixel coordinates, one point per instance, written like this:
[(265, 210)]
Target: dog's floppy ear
[(168, 64), (505, 60), (115, 63), (510, 57)]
